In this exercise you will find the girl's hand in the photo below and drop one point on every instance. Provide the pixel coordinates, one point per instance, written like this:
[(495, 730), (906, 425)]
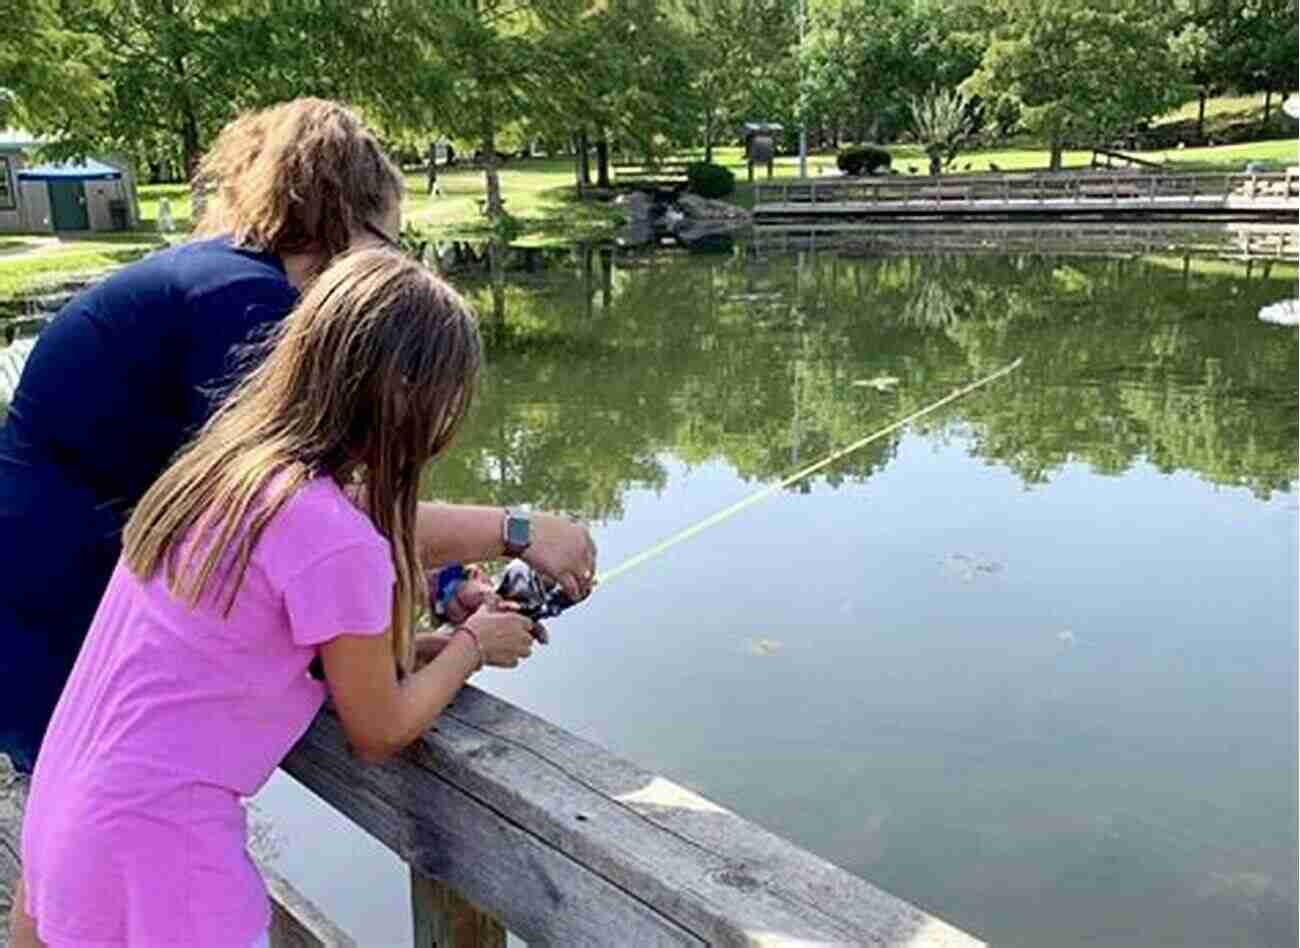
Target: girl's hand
[(564, 551), (505, 637)]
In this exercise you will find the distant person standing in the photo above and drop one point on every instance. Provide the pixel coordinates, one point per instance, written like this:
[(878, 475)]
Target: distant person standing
[(434, 187)]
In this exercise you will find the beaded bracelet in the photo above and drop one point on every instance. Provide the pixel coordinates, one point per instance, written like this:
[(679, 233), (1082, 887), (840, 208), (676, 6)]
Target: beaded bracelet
[(478, 646)]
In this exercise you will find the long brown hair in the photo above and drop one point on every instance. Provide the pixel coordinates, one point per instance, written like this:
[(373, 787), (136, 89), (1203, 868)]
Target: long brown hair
[(369, 378), (296, 177)]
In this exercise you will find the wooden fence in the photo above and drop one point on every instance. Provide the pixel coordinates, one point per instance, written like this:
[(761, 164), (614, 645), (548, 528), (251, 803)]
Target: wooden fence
[(1029, 192), (510, 823)]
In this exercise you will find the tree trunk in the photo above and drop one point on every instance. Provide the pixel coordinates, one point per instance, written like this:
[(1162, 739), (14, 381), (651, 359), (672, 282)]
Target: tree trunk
[(602, 161), (1057, 149), (577, 165), (936, 165), (708, 137), (1200, 116), (1268, 102), (584, 159), (488, 134)]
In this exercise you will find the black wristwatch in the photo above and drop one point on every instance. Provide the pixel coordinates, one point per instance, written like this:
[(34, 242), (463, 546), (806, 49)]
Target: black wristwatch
[(516, 532)]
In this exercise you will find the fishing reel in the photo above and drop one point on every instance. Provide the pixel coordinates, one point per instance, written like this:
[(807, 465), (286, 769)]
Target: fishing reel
[(536, 596)]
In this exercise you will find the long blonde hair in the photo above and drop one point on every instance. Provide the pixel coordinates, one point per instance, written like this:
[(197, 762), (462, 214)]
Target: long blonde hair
[(370, 376), (296, 177)]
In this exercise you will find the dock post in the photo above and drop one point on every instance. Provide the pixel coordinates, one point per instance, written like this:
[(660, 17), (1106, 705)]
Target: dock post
[(444, 919)]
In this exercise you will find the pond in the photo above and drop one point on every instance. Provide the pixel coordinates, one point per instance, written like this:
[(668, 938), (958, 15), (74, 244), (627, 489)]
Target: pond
[(1029, 664)]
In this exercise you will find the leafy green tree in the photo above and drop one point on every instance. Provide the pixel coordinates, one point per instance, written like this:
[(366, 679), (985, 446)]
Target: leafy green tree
[(743, 63), (1079, 71), (47, 78), (864, 60), (167, 74), (1260, 52)]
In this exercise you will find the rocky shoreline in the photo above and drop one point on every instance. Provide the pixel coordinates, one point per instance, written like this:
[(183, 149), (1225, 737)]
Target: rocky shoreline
[(686, 220)]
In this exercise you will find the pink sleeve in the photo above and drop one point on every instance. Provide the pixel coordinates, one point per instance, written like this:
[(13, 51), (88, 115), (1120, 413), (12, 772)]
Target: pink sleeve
[(349, 591)]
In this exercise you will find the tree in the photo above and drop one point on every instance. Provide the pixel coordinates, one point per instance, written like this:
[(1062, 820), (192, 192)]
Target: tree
[(161, 77), (500, 60), (743, 63), (1078, 70), (944, 122), (1200, 44), (46, 78), (1261, 47)]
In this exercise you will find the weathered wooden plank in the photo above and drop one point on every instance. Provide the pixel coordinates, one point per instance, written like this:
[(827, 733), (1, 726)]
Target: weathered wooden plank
[(540, 892), (722, 876), (496, 796), (13, 797)]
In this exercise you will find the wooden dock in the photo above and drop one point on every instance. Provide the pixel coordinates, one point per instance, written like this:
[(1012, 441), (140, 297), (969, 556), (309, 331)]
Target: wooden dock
[(1088, 195), (941, 237), (510, 823)]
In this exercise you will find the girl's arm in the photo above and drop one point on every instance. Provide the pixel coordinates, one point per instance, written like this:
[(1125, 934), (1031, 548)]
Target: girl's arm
[(381, 715), (560, 548)]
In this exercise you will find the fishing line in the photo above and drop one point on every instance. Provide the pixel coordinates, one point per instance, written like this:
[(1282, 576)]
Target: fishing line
[(755, 497)]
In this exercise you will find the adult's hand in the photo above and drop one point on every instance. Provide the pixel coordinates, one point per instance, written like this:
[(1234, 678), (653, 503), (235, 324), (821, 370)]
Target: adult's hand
[(564, 551)]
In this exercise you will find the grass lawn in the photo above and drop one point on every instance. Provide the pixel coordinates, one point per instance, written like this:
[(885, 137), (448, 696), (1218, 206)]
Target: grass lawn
[(537, 191), (22, 273), (1224, 110)]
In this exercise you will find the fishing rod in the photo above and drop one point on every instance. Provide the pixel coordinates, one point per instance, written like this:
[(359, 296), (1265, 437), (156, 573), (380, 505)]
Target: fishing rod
[(725, 514), (540, 598)]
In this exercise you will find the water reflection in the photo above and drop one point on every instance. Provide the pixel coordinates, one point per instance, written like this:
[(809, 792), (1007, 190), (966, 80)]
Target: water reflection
[(762, 362)]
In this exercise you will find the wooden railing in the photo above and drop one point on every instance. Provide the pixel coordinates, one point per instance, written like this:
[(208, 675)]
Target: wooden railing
[(1033, 188), (510, 823), (528, 828)]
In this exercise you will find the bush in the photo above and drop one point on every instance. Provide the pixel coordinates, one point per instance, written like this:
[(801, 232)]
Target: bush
[(709, 180), (863, 159)]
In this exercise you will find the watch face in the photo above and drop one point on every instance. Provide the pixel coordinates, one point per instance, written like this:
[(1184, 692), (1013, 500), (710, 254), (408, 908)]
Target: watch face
[(517, 532)]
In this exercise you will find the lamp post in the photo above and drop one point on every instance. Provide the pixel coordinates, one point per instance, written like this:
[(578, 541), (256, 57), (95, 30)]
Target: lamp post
[(803, 119)]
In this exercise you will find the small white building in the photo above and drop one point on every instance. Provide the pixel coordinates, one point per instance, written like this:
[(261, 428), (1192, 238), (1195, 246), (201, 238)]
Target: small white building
[(91, 195)]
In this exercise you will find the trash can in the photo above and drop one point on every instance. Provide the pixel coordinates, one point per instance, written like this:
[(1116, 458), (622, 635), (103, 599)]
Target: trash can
[(117, 213)]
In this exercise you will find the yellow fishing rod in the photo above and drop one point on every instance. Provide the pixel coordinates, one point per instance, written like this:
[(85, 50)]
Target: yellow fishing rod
[(721, 515)]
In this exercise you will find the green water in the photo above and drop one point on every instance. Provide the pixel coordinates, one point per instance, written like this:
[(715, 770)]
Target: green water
[(1030, 664)]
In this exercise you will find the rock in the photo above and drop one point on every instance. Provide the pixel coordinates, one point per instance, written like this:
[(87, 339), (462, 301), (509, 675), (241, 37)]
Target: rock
[(694, 206), (636, 206), (707, 236)]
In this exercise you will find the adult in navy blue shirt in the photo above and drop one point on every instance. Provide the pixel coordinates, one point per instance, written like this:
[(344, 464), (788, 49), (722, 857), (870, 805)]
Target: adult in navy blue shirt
[(131, 367)]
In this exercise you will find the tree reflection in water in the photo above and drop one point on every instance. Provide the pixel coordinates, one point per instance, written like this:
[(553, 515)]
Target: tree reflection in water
[(601, 365)]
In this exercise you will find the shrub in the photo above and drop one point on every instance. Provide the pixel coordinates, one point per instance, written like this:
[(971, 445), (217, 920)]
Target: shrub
[(709, 180), (863, 159)]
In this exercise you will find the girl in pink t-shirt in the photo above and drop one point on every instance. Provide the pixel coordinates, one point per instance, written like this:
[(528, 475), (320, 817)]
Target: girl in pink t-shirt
[(285, 531)]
